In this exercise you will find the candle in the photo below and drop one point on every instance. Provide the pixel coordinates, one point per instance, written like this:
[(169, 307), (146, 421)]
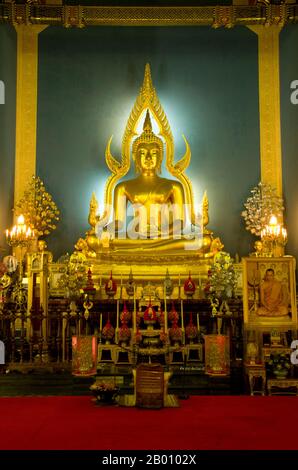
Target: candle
[(198, 322), (117, 322), (165, 312), (179, 281), (134, 310), (182, 319), (121, 287), (284, 233), (100, 323)]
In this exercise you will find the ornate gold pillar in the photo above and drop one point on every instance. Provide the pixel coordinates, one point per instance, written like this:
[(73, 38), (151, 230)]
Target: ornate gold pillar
[(26, 108), (269, 105)]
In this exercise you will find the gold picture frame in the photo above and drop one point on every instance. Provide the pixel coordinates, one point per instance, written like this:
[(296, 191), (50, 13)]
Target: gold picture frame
[(269, 293), (57, 270)]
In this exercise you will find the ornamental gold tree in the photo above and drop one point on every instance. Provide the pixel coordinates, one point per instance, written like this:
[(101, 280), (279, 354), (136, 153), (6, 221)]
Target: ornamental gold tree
[(38, 208), (260, 206)]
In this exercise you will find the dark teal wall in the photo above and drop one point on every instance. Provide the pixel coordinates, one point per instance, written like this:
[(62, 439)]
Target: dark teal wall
[(289, 130), (7, 127), (207, 81)]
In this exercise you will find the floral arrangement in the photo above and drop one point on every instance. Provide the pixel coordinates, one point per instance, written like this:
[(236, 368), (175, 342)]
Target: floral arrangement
[(124, 333), (279, 364), (191, 331), (104, 392), (175, 332), (150, 314), (222, 278), (108, 331), (260, 206), (103, 387), (125, 315), (173, 315)]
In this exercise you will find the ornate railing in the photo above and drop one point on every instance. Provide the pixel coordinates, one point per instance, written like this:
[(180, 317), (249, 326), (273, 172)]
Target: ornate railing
[(215, 16), (35, 339)]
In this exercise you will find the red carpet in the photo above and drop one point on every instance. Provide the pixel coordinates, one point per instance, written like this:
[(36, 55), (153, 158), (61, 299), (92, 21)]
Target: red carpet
[(213, 422)]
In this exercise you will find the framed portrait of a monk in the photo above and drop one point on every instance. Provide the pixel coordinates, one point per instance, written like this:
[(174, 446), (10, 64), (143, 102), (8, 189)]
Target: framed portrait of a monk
[(269, 292)]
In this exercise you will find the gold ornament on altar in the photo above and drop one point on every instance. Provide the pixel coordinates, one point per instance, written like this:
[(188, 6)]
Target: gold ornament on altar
[(38, 207), (259, 249), (189, 286), (111, 286), (168, 284), (164, 217), (130, 286)]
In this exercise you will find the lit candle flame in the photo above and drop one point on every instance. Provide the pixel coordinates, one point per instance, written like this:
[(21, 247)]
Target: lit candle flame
[(273, 220), (21, 220)]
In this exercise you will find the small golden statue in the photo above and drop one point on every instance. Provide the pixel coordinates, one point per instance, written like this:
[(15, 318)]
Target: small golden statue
[(259, 249), (163, 217), (43, 249)]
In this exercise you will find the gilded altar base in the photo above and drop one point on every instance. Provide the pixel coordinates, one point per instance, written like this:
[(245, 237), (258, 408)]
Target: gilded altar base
[(149, 275)]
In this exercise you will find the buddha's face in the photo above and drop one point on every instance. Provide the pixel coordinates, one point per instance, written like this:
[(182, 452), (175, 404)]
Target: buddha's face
[(149, 157)]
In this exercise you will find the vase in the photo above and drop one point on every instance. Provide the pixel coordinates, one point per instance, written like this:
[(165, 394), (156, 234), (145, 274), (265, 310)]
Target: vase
[(280, 374), (84, 355), (224, 306), (105, 397), (252, 352), (217, 354)]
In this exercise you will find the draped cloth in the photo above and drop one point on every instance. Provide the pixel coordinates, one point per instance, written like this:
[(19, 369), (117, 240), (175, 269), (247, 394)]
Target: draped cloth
[(274, 299)]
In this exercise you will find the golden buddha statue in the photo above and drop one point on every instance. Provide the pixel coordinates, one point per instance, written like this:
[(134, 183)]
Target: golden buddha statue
[(149, 194), (162, 217)]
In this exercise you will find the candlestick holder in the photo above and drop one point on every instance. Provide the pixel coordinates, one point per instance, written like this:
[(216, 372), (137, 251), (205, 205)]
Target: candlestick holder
[(274, 237), (20, 236)]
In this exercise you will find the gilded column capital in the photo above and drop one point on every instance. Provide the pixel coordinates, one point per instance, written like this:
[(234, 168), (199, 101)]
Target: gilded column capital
[(26, 106), (269, 104)]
